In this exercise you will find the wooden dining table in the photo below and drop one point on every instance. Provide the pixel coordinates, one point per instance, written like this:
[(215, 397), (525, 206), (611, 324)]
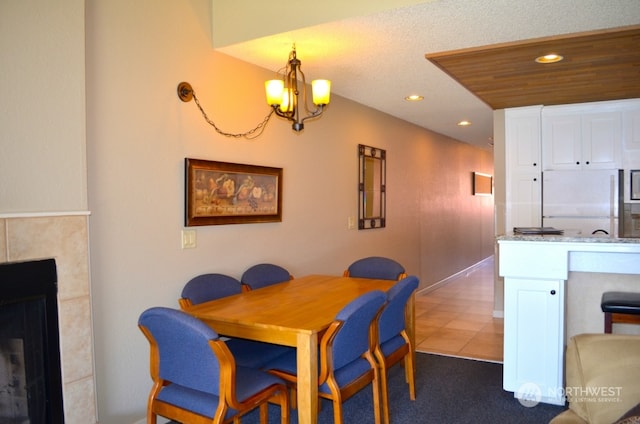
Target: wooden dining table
[(293, 313)]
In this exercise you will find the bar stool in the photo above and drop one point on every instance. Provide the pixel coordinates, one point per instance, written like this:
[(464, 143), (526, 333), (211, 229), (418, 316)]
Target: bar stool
[(620, 307)]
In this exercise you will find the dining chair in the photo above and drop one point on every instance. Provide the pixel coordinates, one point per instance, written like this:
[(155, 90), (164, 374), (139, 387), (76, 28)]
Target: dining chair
[(376, 267), (195, 377), (262, 275), (206, 287), (347, 363), (394, 344)]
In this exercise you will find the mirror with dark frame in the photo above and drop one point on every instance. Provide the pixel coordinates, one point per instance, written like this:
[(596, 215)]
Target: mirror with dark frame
[(371, 187)]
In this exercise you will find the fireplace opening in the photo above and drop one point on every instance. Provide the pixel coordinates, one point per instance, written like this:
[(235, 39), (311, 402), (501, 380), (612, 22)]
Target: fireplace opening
[(30, 374)]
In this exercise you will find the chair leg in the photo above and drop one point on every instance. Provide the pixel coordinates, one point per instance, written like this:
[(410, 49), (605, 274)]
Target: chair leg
[(284, 409), (410, 371), (375, 384), (384, 393), (264, 413), (608, 323), (337, 411)]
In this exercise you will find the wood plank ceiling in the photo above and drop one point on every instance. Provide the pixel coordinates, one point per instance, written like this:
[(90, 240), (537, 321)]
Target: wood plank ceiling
[(597, 66)]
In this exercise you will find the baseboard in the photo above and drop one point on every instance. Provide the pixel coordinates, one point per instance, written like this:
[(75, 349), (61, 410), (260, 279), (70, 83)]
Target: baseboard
[(459, 357), (450, 278)]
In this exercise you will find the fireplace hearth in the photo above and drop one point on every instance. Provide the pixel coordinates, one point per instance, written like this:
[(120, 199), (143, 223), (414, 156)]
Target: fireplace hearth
[(30, 375)]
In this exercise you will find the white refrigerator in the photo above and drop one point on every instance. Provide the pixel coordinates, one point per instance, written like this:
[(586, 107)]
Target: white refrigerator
[(582, 203)]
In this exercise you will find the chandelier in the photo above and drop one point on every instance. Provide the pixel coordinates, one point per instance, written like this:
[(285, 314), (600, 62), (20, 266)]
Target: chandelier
[(287, 97), (284, 95)]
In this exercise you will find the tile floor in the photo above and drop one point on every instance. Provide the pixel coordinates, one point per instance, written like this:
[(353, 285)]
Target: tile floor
[(456, 319)]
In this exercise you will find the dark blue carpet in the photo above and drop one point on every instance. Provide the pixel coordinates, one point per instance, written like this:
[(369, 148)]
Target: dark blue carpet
[(448, 390)]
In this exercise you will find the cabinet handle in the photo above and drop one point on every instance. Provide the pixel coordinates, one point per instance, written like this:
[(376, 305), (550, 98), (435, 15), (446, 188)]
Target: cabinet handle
[(553, 292), (577, 162), (587, 162), (535, 164), (535, 179)]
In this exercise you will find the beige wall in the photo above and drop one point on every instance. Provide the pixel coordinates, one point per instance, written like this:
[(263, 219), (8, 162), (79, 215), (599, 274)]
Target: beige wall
[(42, 148), (138, 134)]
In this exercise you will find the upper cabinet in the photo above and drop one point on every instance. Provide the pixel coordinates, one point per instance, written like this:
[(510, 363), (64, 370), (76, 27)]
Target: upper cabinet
[(522, 128), (581, 137)]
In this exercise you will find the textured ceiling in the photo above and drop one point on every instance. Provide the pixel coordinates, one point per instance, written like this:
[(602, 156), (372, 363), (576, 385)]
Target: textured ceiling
[(379, 59)]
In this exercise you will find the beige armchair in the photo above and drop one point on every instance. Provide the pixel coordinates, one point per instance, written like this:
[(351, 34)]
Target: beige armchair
[(602, 379)]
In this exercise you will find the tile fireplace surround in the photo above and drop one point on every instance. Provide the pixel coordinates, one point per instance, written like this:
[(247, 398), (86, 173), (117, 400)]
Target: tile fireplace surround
[(64, 238)]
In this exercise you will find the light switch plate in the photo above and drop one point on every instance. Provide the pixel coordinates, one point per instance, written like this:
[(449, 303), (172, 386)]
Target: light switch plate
[(188, 239)]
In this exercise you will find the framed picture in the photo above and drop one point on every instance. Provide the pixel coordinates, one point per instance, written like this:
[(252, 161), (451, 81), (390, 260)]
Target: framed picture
[(218, 193), (635, 184), (482, 184)]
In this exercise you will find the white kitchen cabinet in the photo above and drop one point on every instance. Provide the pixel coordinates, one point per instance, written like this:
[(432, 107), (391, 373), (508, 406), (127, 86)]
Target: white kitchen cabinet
[(535, 271), (524, 199), (523, 167), (581, 137), (533, 308)]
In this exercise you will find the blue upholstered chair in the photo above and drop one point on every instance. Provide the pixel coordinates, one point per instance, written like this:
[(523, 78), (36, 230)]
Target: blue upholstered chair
[(195, 377), (394, 344), (347, 363), (263, 275), (376, 267), (205, 287)]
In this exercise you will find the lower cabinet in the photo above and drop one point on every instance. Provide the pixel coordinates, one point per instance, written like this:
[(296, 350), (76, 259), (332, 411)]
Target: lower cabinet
[(533, 339)]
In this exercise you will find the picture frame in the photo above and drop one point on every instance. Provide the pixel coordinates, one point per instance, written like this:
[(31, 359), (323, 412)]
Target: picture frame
[(634, 190), (220, 193), (482, 184)]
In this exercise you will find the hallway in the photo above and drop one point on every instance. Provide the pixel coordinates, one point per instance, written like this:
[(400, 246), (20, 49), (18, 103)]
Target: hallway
[(456, 319)]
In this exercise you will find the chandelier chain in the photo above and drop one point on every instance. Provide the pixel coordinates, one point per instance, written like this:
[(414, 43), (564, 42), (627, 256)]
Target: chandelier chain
[(250, 135)]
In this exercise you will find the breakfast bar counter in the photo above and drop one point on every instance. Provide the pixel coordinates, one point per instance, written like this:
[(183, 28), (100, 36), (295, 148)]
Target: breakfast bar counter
[(552, 290)]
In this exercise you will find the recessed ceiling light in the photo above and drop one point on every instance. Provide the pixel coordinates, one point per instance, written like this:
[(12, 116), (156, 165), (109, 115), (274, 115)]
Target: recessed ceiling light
[(549, 58), (464, 123), (414, 98)]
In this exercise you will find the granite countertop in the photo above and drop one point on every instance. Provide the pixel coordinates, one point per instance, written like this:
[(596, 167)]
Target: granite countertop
[(569, 238)]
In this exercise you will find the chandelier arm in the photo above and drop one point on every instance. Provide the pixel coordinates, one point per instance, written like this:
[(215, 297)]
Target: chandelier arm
[(315, 114)]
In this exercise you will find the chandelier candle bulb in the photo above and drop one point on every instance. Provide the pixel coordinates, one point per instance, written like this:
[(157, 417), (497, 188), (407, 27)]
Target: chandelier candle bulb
[(286, 105), (275, 89), (321, 91)]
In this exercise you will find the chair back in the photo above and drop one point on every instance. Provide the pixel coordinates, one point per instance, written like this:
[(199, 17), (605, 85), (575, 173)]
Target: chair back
[(352, 339), (183, 351), (207, 287), (263, 275), (392, 318), (376, 267)]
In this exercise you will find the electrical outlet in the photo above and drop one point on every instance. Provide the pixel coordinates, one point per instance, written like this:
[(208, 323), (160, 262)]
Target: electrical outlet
[(188, 239), (351, 223)]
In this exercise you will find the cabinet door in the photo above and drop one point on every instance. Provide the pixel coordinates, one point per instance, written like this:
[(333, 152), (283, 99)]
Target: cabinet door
[(523, 167), (561, 142), (534, 337), (601, 140), (523, 139), (524, 200)]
